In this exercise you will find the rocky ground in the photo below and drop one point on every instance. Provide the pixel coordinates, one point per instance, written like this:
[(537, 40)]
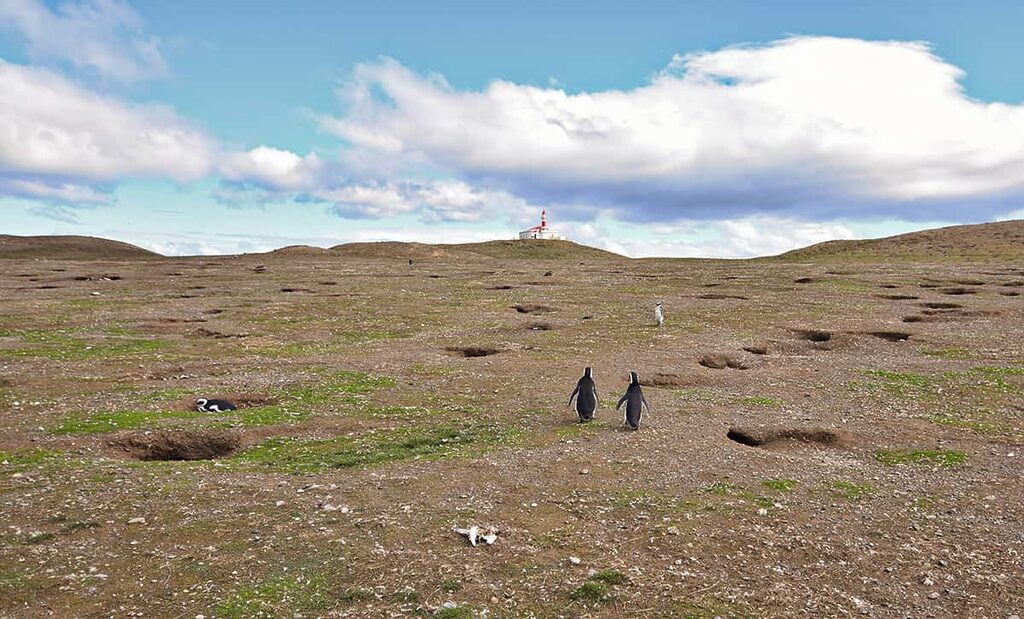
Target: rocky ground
[(826, 439)]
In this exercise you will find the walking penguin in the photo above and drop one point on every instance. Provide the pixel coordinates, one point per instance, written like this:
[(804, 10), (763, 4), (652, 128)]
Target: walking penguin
[(586, 396), (659, 316), (635, 403)]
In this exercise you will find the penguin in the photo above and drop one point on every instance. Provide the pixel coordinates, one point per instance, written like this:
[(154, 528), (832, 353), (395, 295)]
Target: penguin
[(659, 316), (635, 403), (586, 396), (213, 406)]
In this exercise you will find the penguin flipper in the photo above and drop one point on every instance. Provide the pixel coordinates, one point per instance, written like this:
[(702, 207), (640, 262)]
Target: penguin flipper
[(643, 400), (574, 393), (621, 400)]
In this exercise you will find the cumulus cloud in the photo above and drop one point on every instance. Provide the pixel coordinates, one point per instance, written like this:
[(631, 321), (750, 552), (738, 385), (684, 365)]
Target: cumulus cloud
[(807, 126), (51, 126), (758, 235), (105, 36), (272, 168), (436, 201)]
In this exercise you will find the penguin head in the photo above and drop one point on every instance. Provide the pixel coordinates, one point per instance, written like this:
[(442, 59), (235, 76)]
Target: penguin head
[(588, 372), (658, 303), (634, 378), (201, 403)]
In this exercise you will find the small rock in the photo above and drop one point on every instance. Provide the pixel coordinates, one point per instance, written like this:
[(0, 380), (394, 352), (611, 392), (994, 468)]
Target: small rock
[(673, 531), (584, 471), (279, 504), (762, 512), (138, 520), (934, 595), (329, 508), (575, 560)]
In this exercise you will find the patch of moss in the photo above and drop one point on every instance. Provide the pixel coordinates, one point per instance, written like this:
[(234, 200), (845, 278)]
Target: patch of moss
[(720, 488), (945, 457)]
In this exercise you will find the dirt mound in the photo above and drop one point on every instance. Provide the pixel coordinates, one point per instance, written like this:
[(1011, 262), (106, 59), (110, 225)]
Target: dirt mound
[(780, 437), (472, 351), (889, 336), (532, 308), (996, 242), (177, 445), (720, 361), (722, 296), (813, 335), (70, 248), (663, 379), (898, 297)]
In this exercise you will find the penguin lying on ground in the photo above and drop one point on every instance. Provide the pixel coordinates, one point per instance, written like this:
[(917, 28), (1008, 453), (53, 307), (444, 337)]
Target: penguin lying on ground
[(635, 403), (213, 406), (586, 396)]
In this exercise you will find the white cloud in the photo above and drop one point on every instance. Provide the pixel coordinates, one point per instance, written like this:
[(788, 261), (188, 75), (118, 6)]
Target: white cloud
[(444, 200), (51, 127), (106, 36), (806, 124), (272, 167), (58, 192), (733, 238)]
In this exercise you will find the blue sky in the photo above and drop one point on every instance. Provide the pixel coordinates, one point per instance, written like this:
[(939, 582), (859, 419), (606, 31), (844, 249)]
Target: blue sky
[(650, 128)]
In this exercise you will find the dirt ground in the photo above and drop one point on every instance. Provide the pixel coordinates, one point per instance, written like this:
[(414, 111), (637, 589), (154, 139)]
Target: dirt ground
[(825, 439)]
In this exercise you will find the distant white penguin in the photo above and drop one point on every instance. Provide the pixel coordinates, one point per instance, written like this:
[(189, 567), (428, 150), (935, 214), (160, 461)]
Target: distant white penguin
[(659, 316)]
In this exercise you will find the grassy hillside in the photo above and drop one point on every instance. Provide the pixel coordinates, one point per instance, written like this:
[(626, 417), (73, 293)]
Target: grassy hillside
[(70, 248), (1000, 242)]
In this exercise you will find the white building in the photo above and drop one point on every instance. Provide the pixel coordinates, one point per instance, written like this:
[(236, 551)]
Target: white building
[(540, 232)]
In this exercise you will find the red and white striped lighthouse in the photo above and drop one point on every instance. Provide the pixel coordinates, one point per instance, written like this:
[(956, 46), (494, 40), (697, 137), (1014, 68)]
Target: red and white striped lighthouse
[(544, 218), (540, 232)]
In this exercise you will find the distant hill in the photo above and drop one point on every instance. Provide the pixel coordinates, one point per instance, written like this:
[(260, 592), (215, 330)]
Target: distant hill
[(537, 250), (70, 248), (506, 250), (999, 241)]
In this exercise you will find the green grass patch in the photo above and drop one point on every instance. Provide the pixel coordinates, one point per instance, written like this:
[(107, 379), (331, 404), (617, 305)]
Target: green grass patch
[(851, 491), (902, 383), (720, 488), (451, 585), (112, 421), (945, 457), (954, 421), (69, 345), (779, 485), (952, 353), (433, 442), (353, 595), (455, 612), (610, 577), (297, 593), (590, 591), (39, 537), (760, 401), (336, 343), (21, 459)]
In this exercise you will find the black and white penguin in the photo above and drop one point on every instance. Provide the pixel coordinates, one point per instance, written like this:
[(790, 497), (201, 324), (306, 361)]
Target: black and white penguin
[(635, 401), (659, 315), (586, 396), (213, 406)]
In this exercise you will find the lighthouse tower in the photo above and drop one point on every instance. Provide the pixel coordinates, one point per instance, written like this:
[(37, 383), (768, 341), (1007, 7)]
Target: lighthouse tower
[(540, 232)]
